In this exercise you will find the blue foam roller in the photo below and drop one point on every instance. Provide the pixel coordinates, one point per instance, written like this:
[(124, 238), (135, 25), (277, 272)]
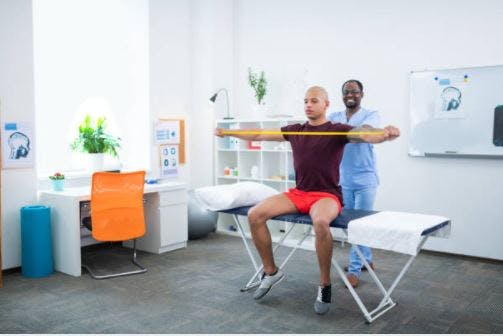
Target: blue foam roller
[(36, 241)]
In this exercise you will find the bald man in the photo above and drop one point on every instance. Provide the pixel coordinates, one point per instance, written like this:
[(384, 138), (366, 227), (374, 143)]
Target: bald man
[(316, 162)]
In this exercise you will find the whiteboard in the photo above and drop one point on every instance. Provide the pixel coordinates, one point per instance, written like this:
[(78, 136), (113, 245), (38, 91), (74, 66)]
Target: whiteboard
[(453, 112)]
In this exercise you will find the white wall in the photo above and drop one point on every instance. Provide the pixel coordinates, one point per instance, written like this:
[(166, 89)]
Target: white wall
[(191, 56), (16, 104), (213, 63), (170, 70), (99, 69), (325, 42)]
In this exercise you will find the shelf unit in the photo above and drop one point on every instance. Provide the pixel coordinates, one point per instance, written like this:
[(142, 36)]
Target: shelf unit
[(272, 164)]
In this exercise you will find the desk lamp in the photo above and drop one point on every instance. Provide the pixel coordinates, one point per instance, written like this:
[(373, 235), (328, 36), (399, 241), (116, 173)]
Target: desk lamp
[(214, 98)]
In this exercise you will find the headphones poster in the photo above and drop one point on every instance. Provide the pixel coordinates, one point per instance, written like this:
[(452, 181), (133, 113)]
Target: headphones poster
[(450, 95), (17, 145)]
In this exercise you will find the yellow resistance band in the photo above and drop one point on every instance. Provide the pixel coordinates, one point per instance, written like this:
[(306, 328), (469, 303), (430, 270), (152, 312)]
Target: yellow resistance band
[(296, 133)]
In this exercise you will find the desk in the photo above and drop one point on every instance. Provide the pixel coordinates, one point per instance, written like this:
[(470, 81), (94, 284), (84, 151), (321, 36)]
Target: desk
[(165, 219)]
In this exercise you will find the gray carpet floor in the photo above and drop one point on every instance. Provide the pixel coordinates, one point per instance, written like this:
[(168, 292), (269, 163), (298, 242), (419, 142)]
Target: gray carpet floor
[(196, 290)]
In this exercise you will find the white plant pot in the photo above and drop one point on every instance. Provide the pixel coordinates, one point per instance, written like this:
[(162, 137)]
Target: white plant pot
[(95, 162), (259, 110)]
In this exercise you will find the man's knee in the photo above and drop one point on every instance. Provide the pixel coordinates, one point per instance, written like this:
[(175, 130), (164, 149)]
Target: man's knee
[(321, 226), (256, 216)]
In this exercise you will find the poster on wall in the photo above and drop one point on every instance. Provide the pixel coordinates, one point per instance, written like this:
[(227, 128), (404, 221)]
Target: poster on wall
[(17, 145), (167, 132), (169, 160), (450, 95)]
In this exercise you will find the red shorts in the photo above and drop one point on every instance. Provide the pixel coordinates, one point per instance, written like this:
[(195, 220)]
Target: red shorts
[(304, 200)]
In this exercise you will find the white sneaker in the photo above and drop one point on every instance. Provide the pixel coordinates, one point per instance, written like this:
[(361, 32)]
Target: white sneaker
[(267, 282), (322, 303)]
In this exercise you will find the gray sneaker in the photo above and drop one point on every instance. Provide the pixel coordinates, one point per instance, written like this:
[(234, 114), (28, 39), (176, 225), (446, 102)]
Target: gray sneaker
[(322, 303), (267, 282)]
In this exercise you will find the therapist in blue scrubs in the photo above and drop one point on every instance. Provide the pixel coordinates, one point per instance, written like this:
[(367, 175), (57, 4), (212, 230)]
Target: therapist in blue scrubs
[(358, 173)]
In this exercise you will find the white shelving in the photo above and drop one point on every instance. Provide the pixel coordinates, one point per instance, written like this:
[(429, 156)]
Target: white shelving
[(274, 167)]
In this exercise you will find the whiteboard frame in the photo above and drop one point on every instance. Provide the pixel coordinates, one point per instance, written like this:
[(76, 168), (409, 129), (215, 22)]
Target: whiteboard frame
[(447, 154)]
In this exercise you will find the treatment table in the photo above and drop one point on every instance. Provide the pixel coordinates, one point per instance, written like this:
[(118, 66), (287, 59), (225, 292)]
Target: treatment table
[(434, 227)]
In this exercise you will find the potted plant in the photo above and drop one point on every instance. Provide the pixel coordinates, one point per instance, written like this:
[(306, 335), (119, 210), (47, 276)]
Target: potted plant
[(58, 181), (94, 140), (258, 83)]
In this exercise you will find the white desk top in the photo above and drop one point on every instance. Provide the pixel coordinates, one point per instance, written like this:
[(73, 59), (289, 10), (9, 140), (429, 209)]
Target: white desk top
[(84, 193)]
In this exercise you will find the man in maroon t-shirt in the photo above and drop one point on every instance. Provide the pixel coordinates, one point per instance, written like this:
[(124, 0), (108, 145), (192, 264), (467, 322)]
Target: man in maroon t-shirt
[(316, 162)]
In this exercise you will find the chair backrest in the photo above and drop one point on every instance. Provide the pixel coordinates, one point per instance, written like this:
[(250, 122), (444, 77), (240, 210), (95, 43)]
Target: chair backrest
[(117, 206)]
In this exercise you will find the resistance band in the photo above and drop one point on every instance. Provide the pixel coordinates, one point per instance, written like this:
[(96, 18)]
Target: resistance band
[(226, 132)]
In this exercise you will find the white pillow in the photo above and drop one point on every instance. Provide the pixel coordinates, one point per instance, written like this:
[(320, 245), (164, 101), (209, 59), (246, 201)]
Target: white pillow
[(228, 196)]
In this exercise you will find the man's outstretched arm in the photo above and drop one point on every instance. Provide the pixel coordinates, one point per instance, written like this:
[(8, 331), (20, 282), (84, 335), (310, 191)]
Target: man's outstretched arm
[(251, 134), (373, 135)]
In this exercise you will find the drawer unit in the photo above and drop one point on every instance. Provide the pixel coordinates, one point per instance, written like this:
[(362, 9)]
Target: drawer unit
[(172, 197), (166, 221), (174, 224)]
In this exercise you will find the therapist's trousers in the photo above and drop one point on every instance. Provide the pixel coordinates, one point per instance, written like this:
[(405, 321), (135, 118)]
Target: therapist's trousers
[(361, 199)]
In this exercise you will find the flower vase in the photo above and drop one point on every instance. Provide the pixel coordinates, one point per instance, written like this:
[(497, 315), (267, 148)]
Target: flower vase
[(58, 185), (95, 162)]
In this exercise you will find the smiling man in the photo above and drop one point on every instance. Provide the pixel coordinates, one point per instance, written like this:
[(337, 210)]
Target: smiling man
[(316, 160), (358, 171)]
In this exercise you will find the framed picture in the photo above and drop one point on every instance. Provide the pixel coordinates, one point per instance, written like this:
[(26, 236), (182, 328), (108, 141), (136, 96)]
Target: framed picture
[(17, 145), (169, 160)]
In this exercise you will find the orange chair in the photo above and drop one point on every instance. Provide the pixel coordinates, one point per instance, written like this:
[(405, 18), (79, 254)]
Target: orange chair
[(117, 212)]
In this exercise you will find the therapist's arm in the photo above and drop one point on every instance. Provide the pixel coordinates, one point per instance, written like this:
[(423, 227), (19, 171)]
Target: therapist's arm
[(373, 135)]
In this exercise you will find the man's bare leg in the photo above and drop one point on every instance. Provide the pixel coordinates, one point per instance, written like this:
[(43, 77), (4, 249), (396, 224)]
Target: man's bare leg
[(258, 216), (322, 213)]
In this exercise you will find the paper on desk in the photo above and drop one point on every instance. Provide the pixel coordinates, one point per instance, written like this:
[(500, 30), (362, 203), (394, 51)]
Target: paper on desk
[(394, 231)]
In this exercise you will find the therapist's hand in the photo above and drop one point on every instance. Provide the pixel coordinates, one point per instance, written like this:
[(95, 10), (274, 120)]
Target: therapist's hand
[(219, 132), (391, 133)]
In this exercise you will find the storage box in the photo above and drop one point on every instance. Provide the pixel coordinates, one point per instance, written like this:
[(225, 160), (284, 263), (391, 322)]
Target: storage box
[(254, 144)]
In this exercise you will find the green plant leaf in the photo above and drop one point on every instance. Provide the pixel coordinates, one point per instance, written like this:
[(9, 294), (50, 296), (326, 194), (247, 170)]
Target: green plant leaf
[(258, 84), (93, 138)]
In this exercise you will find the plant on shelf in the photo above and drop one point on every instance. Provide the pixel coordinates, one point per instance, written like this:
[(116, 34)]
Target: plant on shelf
[(58, 181), (258, 84), (94, 139), (57, 176)]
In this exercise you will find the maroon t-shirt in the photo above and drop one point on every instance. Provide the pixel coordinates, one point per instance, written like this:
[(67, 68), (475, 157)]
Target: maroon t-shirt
[(316, 159)]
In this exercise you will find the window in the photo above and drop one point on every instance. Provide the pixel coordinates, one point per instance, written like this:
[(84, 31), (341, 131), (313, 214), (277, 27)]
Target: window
[(91, 56)]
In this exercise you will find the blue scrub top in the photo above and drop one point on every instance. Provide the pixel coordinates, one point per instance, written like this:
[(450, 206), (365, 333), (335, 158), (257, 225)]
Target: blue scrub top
[(358, 167)]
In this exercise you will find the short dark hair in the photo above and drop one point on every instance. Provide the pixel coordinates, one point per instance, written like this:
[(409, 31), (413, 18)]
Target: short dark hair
[(360, 85)]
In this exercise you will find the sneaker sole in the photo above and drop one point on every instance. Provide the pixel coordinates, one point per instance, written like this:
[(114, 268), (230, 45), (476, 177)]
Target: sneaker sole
[(269, 289), (322, 312), (364, 269)]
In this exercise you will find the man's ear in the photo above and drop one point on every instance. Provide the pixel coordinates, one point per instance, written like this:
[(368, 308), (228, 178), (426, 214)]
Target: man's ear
[(363, 94), (327, 103)]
